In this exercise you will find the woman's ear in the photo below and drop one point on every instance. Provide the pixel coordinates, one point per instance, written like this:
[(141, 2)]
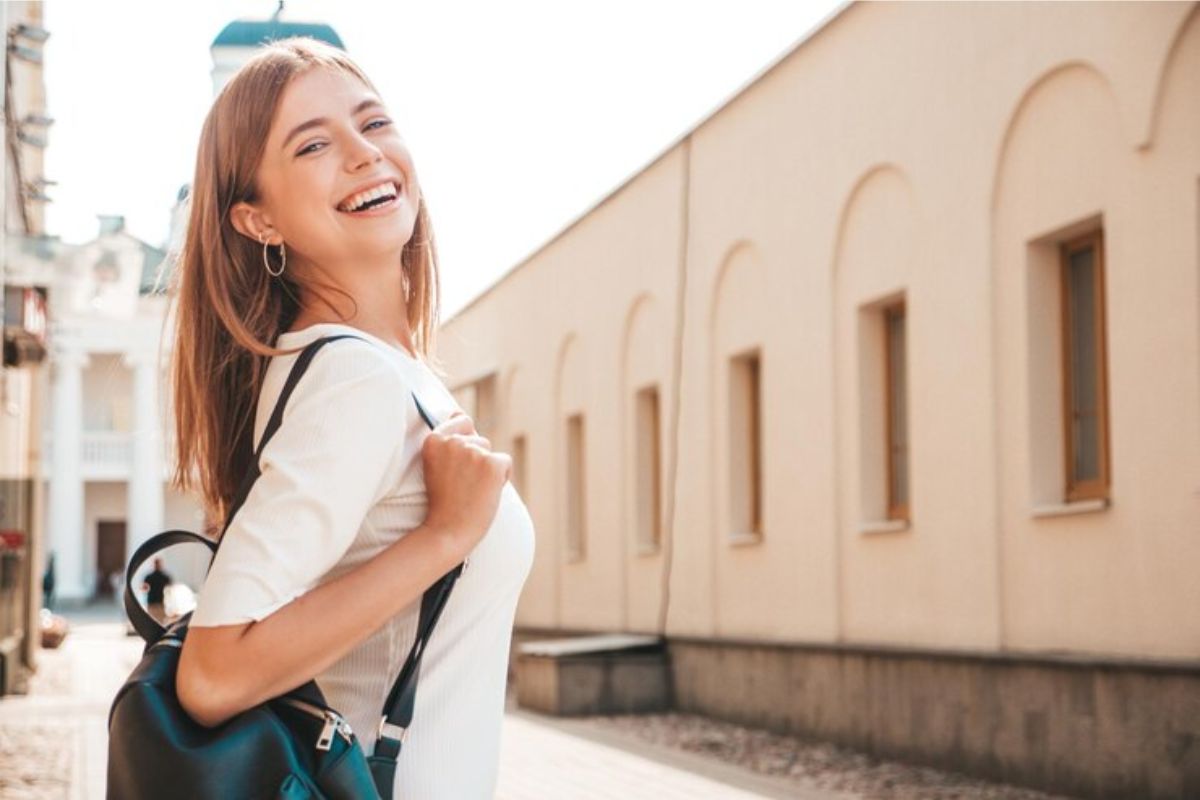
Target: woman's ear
[(250, 222)]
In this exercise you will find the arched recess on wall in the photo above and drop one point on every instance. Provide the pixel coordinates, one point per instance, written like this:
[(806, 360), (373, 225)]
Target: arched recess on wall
[(739, 325), (1060, 171), (1064, 169), (738, 322), (571, 395), (1180, 55), (1176, 127), (878, 241), (646, 350), (1032, 107)]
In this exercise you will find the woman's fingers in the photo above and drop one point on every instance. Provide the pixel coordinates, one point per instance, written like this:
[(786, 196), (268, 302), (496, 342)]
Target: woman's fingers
[(457, 422), (481, 441)]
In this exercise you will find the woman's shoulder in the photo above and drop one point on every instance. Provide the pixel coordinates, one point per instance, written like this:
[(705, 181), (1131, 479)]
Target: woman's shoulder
[(345, 360), (348, 381)]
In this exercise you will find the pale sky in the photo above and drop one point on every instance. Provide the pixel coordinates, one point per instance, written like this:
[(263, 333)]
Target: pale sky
[(520, 115)]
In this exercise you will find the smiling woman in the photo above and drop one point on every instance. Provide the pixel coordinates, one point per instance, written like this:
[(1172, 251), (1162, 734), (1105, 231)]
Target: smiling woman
[(307, 221), (332, 150)]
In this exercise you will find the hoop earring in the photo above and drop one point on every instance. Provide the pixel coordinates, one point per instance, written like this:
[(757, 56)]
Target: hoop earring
[(282, 254)]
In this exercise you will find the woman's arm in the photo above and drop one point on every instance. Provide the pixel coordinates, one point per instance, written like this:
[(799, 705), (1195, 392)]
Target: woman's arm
[(227, 669)]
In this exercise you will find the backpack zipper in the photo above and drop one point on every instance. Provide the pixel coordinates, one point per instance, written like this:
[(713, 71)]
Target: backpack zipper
[(333, 722)]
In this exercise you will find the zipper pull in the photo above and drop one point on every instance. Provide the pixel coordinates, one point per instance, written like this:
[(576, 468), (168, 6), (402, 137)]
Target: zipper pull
[(344, 728), (325, 740)]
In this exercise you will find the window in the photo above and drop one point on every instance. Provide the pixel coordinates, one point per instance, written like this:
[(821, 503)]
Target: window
[(518, 467), (647, 472), (576, 512), (745, 446), (896, 411), (485, 405), (1085, 378)]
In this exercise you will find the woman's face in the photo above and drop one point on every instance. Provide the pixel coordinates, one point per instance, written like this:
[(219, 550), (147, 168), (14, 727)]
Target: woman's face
[(331, 139)]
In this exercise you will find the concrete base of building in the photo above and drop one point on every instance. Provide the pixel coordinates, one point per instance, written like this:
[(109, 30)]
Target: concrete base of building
[(1089, 727), (600, 678)]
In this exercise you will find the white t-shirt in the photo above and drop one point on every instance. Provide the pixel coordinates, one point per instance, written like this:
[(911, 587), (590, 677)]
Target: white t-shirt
[(342, 478)]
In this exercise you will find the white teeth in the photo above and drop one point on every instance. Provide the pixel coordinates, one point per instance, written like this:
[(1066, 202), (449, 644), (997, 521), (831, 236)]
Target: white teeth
[(359, 199)]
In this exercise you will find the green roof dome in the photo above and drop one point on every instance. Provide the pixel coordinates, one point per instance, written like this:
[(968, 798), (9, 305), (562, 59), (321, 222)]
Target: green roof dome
[(253, 32)]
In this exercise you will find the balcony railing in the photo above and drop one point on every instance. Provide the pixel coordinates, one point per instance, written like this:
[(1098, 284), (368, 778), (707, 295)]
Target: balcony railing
[(105, 455)]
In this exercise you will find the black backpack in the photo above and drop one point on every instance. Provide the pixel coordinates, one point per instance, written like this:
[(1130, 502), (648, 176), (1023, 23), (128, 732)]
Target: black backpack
[(290, 747)]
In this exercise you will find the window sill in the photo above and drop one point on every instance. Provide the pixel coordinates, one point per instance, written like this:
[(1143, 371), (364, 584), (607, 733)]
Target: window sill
[(1077, 507), (883, 526), (743, 538)]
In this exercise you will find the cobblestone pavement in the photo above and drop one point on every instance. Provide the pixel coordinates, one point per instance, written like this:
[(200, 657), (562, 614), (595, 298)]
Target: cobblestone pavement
[(53, 745), (53, 741), (812, 766)]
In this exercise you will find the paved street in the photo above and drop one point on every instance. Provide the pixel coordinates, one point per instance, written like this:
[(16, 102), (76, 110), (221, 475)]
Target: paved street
[(53, 743)]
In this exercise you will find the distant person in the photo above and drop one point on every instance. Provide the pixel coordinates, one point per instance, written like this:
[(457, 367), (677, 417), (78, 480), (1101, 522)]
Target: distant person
[(48, 583), (155, 585)]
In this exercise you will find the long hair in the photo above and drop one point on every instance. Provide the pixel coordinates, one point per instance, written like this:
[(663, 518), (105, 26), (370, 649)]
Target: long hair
[(228, 310)]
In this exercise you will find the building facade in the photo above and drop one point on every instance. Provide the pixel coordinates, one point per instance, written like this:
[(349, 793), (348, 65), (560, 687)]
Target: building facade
[(877, 393), (109, 447), (23, 314)]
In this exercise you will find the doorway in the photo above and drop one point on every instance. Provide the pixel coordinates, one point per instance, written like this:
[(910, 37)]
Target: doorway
[(110, 555)]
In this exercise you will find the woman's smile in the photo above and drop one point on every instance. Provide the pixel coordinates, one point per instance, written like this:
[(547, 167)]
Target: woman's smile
[(379, 210)]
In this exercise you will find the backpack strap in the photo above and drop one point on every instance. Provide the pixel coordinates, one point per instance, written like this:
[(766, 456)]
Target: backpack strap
[(398, 709), (149, 628)]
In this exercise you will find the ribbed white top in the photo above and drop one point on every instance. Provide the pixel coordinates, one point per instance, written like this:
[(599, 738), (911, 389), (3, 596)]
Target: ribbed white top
[(341, 480)]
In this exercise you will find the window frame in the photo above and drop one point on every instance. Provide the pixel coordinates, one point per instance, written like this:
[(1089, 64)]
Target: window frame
[(649, 397), (1096, 488), (895, 510), (745, 371)]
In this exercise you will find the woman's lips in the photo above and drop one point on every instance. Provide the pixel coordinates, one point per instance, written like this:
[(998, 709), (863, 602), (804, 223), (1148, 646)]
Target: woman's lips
[(378, 210)]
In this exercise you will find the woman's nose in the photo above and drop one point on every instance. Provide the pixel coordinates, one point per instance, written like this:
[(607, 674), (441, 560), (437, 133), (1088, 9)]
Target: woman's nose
[(364, 152)]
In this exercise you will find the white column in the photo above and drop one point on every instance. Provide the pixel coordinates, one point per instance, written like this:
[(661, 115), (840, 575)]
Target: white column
[(67, 536), (145, 515)]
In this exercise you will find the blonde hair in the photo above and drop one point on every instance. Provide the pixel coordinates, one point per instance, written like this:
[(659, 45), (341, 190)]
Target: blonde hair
[(228, 310)]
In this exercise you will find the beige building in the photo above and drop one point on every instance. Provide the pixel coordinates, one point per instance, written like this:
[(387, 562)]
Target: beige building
[(23, 312), (878, 394)]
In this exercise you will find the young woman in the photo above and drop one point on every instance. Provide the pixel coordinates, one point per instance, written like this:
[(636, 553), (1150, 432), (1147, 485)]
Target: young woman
[(307, 220)]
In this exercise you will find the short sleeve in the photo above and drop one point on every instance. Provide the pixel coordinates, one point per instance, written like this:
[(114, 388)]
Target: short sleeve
[(332, 458)]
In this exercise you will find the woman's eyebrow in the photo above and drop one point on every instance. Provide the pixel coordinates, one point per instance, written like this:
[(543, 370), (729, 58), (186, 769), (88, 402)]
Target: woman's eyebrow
[(312, 123)]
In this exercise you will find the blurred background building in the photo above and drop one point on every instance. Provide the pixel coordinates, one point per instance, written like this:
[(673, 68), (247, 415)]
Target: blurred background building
[(878, 394), (23, 245)]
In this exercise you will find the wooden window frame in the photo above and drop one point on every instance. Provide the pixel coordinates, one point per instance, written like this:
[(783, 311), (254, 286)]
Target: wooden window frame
[(577, 550), (653, 540), (748, 365), (1097, 488), (895, 510)]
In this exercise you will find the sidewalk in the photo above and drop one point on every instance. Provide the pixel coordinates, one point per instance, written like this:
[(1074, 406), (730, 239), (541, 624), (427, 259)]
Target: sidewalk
[(53, 741), (543, 757)]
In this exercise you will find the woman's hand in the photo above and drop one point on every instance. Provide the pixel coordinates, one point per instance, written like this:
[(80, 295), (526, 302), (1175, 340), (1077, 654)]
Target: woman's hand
[(463, 479)]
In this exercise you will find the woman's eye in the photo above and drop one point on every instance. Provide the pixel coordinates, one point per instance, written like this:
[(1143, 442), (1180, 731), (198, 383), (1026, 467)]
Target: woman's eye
[(381, 122)]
